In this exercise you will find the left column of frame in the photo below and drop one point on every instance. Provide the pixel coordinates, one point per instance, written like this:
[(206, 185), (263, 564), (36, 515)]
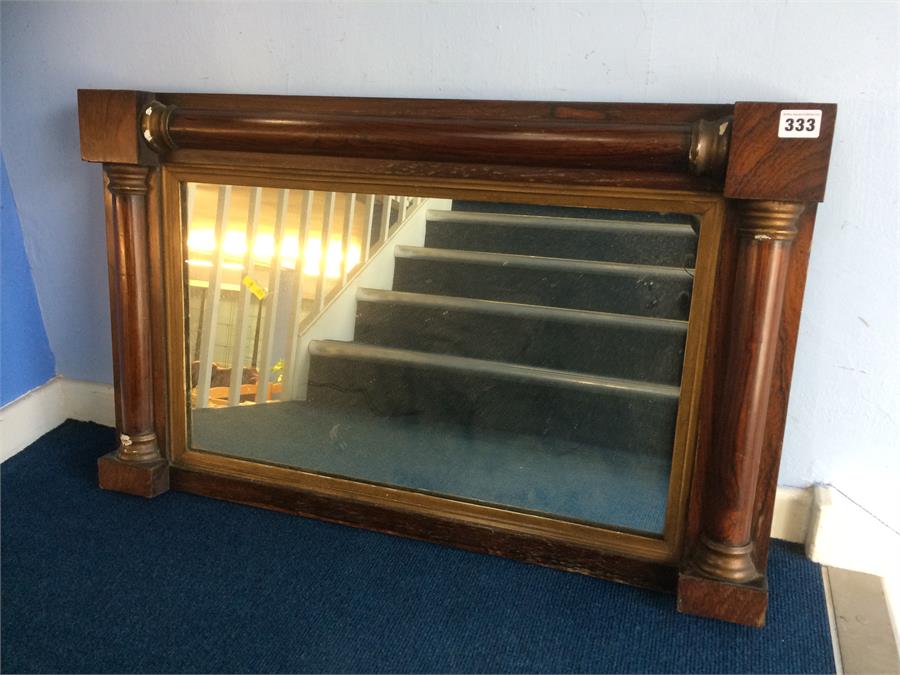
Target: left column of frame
[(110, 133)]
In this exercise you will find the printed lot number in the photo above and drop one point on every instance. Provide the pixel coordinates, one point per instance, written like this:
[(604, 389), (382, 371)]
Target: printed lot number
[(799, 123)]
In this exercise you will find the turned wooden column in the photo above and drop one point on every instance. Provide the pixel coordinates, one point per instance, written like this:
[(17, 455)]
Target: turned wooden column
[(131, 313), (137, 465), (773, 180), (720, 578), (765, 236)]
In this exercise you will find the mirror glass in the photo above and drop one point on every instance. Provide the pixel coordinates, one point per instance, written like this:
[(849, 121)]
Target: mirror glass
[(524, 356)]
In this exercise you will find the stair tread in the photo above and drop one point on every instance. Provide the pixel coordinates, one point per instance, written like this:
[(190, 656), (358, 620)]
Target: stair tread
[(516, 260), (509, 371), (561, 223), (515, 309), (644, 349)]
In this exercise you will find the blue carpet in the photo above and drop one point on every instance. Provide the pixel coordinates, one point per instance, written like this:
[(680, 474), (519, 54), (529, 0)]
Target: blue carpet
[(100, 582)]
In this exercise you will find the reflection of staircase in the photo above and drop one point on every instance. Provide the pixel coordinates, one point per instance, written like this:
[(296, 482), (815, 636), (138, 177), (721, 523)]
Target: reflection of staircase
[(566, 327)]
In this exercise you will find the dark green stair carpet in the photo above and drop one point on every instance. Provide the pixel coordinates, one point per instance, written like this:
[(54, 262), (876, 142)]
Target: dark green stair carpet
[(613, 345), (515, 323)]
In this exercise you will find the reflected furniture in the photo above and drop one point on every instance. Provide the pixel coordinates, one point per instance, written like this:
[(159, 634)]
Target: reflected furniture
[(749, 175)]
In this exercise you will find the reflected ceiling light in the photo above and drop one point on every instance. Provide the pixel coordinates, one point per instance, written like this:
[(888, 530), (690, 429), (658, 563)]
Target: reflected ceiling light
[(234, 245)]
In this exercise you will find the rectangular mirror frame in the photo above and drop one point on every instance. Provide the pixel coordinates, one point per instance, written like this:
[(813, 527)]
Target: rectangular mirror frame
[(753, 193)]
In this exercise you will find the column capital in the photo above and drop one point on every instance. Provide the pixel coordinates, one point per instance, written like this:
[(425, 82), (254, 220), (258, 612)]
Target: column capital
[(765, 220), (127, 178)]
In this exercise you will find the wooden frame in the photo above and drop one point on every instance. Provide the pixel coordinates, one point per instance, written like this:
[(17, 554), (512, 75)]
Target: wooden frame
[(708, 209), (754, 191)]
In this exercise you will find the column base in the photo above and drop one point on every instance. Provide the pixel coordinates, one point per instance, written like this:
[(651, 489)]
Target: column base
[(743, 603), (721, 561), (144, 479)]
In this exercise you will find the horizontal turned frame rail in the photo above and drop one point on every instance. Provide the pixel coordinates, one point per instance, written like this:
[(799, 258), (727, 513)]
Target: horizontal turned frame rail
[(700, 147)]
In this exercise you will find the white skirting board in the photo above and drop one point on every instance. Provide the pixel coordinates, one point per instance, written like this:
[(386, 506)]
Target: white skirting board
[(30, 416), (843, 534), (835, 530), (44, 408), (89, 401), (838, 532)]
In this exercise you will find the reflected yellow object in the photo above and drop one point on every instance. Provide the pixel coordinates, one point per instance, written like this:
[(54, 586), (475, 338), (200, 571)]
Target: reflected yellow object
[(254, 287)]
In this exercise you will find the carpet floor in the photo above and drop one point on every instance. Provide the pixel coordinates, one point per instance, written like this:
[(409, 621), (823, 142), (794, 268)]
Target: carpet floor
[(573, 480), (94, 581)]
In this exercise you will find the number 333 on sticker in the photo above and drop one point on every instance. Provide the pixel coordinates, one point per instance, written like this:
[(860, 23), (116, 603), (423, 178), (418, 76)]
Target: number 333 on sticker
[(799, 123)]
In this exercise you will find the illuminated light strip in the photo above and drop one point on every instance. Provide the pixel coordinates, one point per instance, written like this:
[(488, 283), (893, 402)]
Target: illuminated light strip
[(203, 241)]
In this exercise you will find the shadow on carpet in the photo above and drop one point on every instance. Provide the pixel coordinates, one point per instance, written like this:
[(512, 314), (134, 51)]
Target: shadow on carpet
[(94, 581)]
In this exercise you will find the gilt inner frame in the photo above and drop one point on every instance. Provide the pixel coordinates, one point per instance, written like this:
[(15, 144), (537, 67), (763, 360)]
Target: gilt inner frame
[(708, 209)]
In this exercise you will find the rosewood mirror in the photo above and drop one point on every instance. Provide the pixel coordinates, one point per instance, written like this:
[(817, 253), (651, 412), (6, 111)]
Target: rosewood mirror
[(557, 332)]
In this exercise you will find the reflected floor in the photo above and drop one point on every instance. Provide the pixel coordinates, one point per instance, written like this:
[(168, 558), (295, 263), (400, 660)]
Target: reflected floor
[(567, 479)]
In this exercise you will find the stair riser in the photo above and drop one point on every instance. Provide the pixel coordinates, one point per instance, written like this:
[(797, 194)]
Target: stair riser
[(635, 422), (605, 245), (645, 294), (647, 354)]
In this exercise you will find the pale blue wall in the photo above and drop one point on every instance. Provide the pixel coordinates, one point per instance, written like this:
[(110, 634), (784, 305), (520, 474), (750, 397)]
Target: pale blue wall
[(26, 361), (843, 418)]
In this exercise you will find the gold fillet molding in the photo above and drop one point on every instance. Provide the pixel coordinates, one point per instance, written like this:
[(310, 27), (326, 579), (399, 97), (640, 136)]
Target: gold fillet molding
[(723, 561), (127, 178), (709, 146), (155, 126), (769, 220)]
